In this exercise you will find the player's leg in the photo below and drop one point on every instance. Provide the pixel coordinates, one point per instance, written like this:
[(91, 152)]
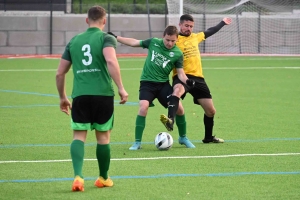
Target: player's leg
[(202, 96), (102, 121), (146, 96), (140, 123), (208, 119), (170, 98), (181, 125), (178, 91), (103, 158), (80, 124), (180, 121), (77, 156)]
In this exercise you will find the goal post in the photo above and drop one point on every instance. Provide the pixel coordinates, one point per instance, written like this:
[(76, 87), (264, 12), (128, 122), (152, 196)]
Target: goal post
[(258, 26)]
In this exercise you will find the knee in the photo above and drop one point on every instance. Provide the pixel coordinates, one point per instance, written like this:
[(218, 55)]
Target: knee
[(143, 109), (211, 112), (178, 90)]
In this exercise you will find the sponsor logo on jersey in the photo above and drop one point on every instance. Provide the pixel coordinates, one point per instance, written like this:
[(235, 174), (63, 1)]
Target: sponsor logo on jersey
[(159, 59)]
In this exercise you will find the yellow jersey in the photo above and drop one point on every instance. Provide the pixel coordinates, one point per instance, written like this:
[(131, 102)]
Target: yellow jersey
[(191, 53)]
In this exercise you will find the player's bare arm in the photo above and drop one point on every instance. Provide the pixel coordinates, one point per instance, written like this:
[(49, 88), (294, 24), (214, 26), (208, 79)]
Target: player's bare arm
[(63, 68), (114, 71), (127, 41), (212, 30), (182, 76)]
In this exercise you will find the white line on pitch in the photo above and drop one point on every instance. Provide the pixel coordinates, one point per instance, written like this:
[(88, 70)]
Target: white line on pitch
[(27, 70), (153, 158), (213, 68)]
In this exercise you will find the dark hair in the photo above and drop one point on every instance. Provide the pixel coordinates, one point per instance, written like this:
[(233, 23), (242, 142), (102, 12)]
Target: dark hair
[(96, 12), (171, 30), (186, 17)]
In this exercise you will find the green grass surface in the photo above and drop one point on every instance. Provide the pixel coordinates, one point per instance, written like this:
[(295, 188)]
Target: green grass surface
[(257, 102)]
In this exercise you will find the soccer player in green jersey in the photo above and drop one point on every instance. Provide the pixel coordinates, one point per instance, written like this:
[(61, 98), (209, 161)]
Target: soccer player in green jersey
[(163, 57), (188, 42), (93, 59)]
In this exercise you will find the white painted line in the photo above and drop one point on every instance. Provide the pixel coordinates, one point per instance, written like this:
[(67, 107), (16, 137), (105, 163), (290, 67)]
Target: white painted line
[(27, 70), (126, 69), (267, 58), (153, 158)]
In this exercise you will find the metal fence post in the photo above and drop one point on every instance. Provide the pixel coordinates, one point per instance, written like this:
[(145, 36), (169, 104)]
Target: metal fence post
[(259, 30), (149, 20), (51, 16), (204, 22), (80, 7), (108, 10), (238, 27)]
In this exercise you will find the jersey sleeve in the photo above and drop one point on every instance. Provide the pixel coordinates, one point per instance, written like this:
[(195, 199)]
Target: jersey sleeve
[(145, 43), (109, 41), (212, 30), (179, 62), (66, 55), (200, 37)]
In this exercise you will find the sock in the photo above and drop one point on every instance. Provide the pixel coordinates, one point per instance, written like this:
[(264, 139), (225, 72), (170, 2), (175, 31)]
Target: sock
[(208, 124), (173, 106), (139, 127), (103, 157), (181, 125), (77, 154)]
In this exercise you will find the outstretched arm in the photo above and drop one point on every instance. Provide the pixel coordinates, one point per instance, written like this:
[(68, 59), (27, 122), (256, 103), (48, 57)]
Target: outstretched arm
[(212, 30), (127, 41)]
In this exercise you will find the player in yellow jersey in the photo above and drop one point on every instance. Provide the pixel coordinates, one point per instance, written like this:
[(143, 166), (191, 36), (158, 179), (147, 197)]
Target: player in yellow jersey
[(188, 43)]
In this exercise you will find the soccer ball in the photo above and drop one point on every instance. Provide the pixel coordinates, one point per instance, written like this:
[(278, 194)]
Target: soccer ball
[(163, 141)]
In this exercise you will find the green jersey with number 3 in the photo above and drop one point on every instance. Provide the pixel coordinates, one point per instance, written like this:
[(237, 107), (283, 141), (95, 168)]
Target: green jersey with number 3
[(84, 51), (160, 60)]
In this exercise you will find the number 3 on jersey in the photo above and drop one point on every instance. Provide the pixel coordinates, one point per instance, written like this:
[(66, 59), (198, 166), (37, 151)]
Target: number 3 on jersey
[(87, 52)]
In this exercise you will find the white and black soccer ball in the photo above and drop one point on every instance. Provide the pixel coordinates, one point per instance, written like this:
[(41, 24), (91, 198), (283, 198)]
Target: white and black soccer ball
[(163, 141)]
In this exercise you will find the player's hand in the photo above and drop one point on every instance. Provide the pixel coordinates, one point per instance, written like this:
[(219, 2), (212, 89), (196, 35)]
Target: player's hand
[(111, 33), (227, 20), (123, 95), (190, 83), (65, 105)]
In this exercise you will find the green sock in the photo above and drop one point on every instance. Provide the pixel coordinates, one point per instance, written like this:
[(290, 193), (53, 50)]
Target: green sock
[(77, 154), (139, 127), (181, 125), (103, 157)]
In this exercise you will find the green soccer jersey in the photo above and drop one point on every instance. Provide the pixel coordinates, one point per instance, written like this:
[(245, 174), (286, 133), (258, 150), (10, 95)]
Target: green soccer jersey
[(160, 60), (89, 66)]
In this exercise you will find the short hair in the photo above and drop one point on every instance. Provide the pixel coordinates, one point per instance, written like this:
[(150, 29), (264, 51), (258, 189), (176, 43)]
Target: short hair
[(96, 12), (171, 30), (186, 17)]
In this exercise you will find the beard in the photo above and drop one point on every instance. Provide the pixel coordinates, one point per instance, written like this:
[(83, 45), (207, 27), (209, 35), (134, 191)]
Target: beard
[(186, 33)]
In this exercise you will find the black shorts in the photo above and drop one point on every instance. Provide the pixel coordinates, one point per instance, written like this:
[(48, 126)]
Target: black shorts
[(94, 110), (150, 90), (200, 91)]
